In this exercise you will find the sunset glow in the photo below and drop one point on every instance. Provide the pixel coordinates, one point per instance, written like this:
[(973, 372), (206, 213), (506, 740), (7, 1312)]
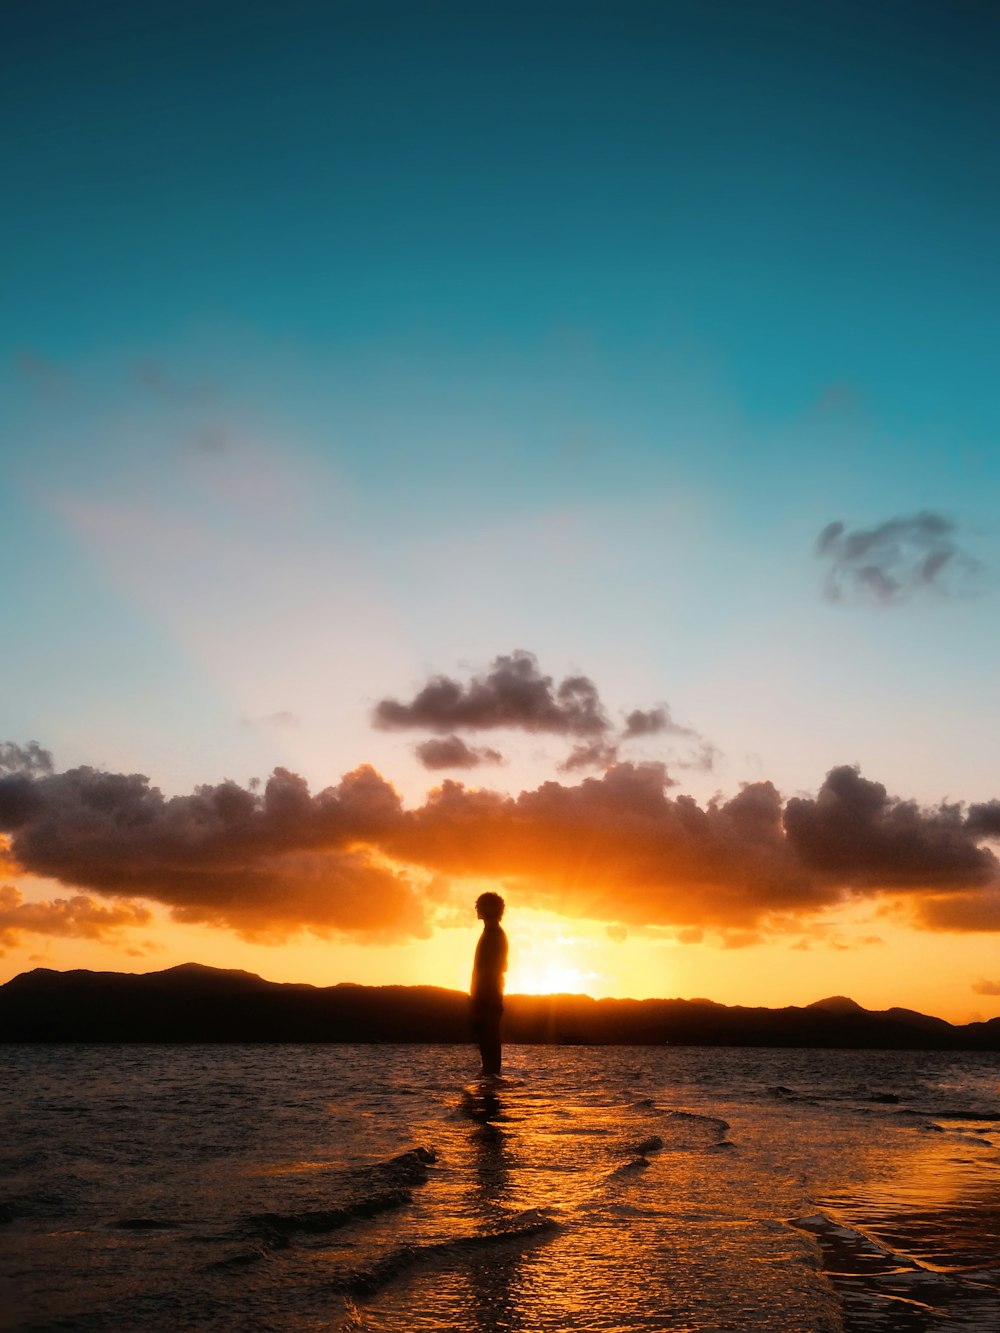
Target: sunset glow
[(552, 965)]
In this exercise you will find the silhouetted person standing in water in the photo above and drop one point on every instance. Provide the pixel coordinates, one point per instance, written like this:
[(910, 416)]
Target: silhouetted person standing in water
[(487, 982)]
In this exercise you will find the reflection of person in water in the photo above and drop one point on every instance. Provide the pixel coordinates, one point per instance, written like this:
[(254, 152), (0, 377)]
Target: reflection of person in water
[(487, 981)]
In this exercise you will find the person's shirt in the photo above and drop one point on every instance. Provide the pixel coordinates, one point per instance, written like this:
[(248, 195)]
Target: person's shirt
[(490, 964)]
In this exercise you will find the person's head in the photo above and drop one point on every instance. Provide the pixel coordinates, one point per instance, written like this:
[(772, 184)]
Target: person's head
[(489, 907)]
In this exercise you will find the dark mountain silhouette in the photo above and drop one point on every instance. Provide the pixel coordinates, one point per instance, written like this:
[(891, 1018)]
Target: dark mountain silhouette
[(837, 1004), (195, 1003)]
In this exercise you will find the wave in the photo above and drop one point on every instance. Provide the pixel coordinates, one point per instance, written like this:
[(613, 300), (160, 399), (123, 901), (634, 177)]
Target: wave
[(629, 1168), (523, 1228), (645, 1146), (394, 1181), (882, 1288), (281, 1227), (691, 1130)]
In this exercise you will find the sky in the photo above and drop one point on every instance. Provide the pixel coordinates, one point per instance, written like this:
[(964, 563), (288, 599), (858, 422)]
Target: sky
[(551, 448)]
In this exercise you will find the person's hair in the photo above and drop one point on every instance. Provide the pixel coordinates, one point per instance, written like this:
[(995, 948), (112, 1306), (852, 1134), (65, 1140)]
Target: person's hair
[(491, 906)]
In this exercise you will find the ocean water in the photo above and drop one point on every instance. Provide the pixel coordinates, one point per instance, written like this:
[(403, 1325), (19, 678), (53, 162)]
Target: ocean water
[(595, 1188)]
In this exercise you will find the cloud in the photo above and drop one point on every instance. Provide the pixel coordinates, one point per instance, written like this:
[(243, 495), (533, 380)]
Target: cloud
[(740, 939), (619, 848), (984, 820), (19, 800), (824, 933), (970, 911), (896, 560), (512, 693), (603, 752), (452, 752), (591, 754), (79, 916), (853, 833), (614, 848), (19, 766), (265, 863), (652, 722), (690, 935), (986, 987), (701, 759), (29, 759), (283, 719)]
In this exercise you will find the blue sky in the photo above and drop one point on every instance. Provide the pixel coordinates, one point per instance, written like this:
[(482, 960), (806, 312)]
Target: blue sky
[(345, 344)]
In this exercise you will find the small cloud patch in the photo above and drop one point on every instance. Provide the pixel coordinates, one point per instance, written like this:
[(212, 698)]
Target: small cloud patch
[(896, 561), (452, 752)]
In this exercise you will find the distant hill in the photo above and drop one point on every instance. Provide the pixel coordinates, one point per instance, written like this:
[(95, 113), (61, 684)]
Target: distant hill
[(193, 1003)]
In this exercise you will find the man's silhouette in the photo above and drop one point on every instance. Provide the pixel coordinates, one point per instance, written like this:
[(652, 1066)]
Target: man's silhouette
[(487, 982)]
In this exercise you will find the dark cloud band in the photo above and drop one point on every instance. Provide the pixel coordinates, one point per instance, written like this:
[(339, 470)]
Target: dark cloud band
[(618, 848)]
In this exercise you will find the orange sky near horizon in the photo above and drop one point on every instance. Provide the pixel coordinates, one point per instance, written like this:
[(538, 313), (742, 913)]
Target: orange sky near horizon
[(875, 959), (617, 885)]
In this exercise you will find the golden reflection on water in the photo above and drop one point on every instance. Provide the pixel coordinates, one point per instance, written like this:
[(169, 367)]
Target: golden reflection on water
[(937, 1201), (495, 1280), (622, 1197), (495, 1285)]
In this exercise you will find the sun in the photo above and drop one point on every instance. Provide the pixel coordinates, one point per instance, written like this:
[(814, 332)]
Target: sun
[(546, 977), (548, 957)]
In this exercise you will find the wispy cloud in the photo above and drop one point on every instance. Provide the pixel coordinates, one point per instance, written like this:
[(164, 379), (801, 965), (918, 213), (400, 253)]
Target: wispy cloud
[(653, 722), (283, 719), (896, 560), (598, 753)]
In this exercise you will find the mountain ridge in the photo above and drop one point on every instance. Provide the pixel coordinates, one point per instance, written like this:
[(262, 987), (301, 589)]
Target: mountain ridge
[(193, 1002)]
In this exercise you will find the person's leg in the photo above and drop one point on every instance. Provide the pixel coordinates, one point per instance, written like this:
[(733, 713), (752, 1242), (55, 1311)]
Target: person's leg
[(489, 1046)]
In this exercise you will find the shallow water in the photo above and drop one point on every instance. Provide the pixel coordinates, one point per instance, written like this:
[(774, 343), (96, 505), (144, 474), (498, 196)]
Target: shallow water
[(596, 1188)]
